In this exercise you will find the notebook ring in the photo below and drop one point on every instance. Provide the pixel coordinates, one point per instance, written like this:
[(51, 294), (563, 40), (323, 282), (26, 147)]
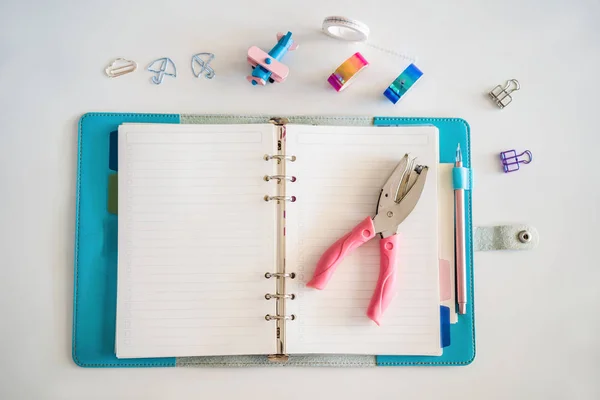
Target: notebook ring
[(270, 317), (279, 178), (279, 157), (270, 296), (270, 275), (291, 199)]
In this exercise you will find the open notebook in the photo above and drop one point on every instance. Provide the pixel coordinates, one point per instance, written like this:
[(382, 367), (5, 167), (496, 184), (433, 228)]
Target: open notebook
[(196, 238)]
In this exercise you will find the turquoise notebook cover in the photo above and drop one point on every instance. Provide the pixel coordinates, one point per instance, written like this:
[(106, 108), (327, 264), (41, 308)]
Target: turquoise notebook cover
[(95, 269), (95, 291), (462, 334)]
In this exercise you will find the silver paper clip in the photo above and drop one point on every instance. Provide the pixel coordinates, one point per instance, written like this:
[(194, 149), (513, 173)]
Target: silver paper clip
[(165, 62), (203, 65), (501, 95), (120, 66)]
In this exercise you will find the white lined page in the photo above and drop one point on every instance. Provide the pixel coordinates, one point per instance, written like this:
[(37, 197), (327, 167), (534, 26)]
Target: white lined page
[(340, 171), (195, 240)]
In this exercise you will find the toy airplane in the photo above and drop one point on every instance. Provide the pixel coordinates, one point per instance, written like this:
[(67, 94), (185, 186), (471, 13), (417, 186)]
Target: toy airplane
[(266, 67)]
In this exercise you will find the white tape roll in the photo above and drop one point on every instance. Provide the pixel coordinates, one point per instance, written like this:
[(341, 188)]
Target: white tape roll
[(352, 30), (345, 29)]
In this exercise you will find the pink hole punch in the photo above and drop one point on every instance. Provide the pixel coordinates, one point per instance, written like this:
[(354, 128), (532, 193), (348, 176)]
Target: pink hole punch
[(398, 197)]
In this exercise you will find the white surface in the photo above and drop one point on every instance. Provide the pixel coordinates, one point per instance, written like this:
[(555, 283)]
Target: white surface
[(189, 193), (340, 173), (51, 71)]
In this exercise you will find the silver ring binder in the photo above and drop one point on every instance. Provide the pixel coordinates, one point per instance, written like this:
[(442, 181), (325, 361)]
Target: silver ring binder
[(280, 296), (291, 199), (279, 157), (289, 178), (270, 317), (269, 275), (270, 296)]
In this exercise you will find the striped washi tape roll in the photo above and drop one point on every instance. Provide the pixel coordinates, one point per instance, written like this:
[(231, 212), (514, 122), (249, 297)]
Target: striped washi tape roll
[(345, 73)]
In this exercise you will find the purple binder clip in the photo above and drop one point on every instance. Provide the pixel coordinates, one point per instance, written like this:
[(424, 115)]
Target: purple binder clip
[(511, 160)]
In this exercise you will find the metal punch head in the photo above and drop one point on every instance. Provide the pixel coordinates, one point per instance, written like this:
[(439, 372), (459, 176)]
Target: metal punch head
[(401, 180), (163, 69), (120, 66), (501, 95), (200, 66), (399, 195)]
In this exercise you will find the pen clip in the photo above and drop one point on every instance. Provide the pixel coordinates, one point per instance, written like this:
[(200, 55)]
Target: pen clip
[(462, 178)]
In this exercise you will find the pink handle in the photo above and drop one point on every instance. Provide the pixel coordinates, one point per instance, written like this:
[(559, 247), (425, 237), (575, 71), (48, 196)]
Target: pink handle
[(328, 262), (386, 284)]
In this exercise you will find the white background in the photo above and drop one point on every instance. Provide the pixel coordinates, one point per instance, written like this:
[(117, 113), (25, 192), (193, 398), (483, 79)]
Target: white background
[(538, 313)]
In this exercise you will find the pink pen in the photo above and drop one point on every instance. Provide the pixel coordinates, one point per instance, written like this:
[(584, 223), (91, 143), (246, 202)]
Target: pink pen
[(459, 237)]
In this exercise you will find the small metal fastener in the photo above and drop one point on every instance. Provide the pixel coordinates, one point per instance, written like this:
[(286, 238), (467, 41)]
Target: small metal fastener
[(511, 160), (270, 275), (289, 178), (390, 214), (270, 296), (164, 65), (524, 237), (502, 95), (120, 66), (291, 199), (279, 157), (269, 317), (200, 65)]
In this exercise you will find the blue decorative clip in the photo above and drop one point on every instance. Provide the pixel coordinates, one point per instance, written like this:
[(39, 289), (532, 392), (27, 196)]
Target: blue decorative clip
[(165, 62), (203, 65)]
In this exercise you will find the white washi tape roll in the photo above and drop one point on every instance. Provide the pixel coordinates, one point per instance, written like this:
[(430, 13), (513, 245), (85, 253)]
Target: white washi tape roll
[(346, 29), (355, 31)]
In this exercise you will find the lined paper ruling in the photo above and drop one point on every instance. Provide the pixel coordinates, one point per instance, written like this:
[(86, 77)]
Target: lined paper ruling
[(340, 172), (195, 240)]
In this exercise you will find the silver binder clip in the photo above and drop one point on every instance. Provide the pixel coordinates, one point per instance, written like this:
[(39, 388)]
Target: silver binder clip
[(201, 66), (501, 95), (162, 70), (120, 66)]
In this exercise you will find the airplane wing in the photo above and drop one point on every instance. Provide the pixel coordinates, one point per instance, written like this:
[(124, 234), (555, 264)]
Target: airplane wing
[(278, 70)]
